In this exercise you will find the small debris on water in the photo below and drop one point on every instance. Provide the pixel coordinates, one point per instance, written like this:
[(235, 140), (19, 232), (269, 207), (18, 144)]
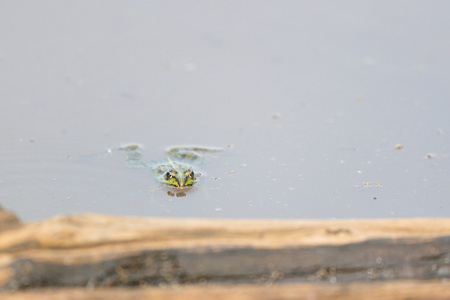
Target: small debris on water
[(369, 184), (398, 147), (276, 116), (431, 156)]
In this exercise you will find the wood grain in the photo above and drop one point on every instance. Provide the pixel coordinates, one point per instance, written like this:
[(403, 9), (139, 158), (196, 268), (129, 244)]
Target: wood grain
[(99, 256)]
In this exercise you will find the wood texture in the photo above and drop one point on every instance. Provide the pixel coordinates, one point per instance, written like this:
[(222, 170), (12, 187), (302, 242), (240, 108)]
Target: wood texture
[(100, 255), (348, 291)]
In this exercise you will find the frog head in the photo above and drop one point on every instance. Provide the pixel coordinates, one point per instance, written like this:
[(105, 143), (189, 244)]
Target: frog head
[(179, 178)]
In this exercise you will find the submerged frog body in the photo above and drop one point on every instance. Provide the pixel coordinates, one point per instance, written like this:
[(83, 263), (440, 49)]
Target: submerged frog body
[(175, 171)]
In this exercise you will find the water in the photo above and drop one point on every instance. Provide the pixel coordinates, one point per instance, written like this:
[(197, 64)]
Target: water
[(310, 101)]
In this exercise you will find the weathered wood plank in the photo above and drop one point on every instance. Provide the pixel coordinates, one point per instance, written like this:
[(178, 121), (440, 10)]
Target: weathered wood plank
[(8, 220), (90, 230), (426, 290), (93, 251)]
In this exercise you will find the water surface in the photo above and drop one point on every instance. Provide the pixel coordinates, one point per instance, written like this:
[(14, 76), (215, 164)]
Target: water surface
[(325, 110)]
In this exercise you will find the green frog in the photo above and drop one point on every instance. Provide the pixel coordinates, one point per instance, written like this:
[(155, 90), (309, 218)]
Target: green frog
[(176, 170)]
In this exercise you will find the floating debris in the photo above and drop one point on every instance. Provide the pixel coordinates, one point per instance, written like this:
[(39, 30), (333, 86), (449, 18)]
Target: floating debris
[(431, 156), (369, 184), (276, 115), (398, 147)]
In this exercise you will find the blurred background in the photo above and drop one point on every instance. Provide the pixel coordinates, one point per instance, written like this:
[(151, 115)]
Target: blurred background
[(324, 109)]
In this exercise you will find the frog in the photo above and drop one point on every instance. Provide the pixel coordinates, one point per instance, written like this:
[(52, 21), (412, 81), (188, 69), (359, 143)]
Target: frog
[(176, 171)]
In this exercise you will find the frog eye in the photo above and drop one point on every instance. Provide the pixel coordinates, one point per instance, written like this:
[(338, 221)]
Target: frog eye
[(167, 176), (190, 174)]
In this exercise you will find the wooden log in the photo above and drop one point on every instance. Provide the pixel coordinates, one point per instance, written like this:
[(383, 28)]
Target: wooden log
[(345, 291), (106, 252), (8, 220), (426, 290)]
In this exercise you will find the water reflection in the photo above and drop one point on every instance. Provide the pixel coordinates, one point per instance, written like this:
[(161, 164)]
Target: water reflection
[(179, 194)]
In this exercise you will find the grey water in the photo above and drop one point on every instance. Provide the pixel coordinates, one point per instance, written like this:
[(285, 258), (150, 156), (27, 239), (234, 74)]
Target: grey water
[(324, 109)]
